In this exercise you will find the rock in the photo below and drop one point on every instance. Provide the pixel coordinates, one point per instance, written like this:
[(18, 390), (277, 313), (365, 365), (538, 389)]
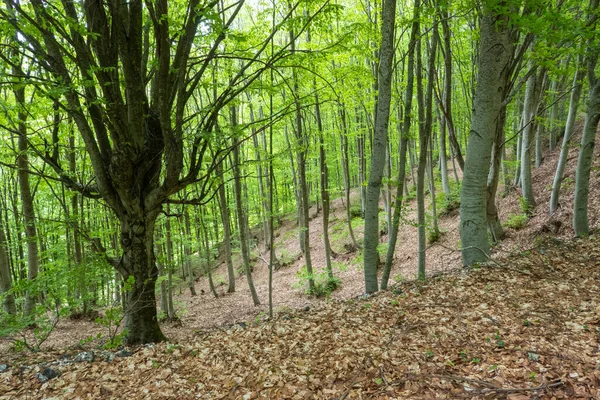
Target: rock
[(123, 353), (108, 357), (286, 317), (307, 308), (47, 374), (86, 356), (242, 325), (3, 368)]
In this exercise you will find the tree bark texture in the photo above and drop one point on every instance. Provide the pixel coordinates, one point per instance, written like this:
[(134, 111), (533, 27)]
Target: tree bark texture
[(495, 52), (380, 137)]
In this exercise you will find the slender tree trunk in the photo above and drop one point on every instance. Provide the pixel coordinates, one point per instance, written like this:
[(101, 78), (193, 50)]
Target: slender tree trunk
[(569, 129), (380, 138), (225, 219), (33, 262), (425, 129), (431, 179), (5, 275), (444, 160), (260, 178), (495, 52), (169, 266), (324, 185), (447, 101), (75, 223), (553, 115), (202, 233), (494, 225), (187, 251), (404, 134), (346, 172), (532, 92), (362, 164), (242, 217), (302, 144), (270, 186), (164, 296)]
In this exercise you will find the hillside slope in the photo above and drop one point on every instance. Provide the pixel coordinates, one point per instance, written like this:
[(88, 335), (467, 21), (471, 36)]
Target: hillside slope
[(524, 327), (206, 311)]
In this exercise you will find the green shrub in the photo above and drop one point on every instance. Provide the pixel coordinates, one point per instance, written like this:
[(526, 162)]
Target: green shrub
[(323, 284), (433, 236), (112, 322), (516, 221), (356, 212), (525, 206)]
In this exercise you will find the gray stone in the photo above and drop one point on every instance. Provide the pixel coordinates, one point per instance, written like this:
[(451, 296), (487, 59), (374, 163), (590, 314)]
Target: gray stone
[(3, 367), (123, 353), (86, 356), (47, 374)]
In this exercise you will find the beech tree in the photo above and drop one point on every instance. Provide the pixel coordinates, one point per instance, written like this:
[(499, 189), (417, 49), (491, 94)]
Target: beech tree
[(127, 81), (386, 56), (592, 118), (495, 50)]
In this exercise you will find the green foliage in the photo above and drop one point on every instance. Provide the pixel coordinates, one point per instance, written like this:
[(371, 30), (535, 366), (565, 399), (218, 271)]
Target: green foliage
[(112, 322), (30, 332), (220, 280), (356, 212), (323, 284), (382, 249), (433, 236), (525, 206), (516, 221)]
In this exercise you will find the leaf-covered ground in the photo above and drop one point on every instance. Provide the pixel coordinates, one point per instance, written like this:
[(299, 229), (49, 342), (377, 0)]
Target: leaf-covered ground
[(526, 327)]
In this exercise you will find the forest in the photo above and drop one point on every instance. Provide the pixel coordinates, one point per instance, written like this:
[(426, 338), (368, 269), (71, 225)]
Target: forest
[(301, 199)]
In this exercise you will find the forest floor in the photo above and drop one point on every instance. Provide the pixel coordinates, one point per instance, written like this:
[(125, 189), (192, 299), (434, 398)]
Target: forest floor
[(525, 326)]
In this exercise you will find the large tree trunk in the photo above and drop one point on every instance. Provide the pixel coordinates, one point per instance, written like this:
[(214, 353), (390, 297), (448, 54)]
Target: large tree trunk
[(569, 129), (495, 52), (586, 152), (380, 138), (138, 262)]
